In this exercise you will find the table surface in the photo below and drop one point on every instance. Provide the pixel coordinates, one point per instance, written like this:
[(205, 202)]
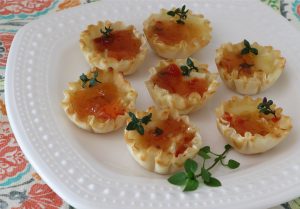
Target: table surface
[(20, 185)]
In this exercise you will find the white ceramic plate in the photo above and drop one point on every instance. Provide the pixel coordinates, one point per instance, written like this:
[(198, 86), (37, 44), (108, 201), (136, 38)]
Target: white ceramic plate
[(96, 171)]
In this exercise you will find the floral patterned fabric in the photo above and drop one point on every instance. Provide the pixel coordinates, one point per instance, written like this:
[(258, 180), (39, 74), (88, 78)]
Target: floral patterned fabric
[(20, 186)]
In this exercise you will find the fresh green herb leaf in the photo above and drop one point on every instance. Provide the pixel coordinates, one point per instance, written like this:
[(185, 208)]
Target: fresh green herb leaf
[(233, 164), (247, 44), (191, 185), (203, 154), (188, 68), (140, 129), (84, 80), (171, 13), (213, 182), (265, 107), (190, 166), (137, 124), (146, 119), (106, 32), (190, 180), (158, 131), (205, 175), (227, 147), (189, 62), (205, 149), (247, 48), (254, 51), (131, 126), (178, 179), (180, 12), (92, 81)]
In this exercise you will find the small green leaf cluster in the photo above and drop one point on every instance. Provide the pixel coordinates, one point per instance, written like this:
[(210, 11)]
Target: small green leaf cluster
[(188, 68), (106, 32), (180, 12), (92, 81), (248, 48), (189, 178), (265, 107), (137, 124)]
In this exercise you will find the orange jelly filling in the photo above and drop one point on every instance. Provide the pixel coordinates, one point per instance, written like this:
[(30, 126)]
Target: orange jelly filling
[(252, 123), (170, 32), (101, 100), (171, 79), (121, 44), (170, 130), (234, 60)]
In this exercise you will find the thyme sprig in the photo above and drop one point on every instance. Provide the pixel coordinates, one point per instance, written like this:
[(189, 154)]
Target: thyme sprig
[(265, 107), (92, 81), (106, 32), (188, 68), (137, 124), (189, 178), (247, 49), (180, 12)]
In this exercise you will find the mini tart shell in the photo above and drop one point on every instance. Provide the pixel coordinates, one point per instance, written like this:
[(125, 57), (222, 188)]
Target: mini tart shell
[(91, 123), (268, 62), (102, 60), (183, 105), (251, 144), (158, 160), (183, 49)]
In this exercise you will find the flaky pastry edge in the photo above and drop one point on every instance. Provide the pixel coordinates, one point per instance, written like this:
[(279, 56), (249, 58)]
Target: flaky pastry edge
[(261, 80), (182, 49), (251, 144), (91, 123), (157, 160), (183, 105), (101, 60)]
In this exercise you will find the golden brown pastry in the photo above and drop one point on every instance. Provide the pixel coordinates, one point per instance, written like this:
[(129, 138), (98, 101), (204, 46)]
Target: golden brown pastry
[(164, 142), (177, 33), (252, 125), (182, 84), (249, 69), (99, 101), (113, 45)]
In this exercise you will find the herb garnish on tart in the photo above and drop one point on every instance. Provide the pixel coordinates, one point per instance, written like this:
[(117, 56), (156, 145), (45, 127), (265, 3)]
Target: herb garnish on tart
[(160, 140), (92, 80), (248, 48), (188, 68), (180, 12), (252, 125), (249, 69), (106, 32), (172, 37), (99, 100), (181, 84), (113, 45)]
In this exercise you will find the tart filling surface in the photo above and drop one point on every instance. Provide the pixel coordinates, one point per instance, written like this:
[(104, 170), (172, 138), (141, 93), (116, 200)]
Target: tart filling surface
[(113, 45), (168, 140), (247, 128), (169, 87), (102, 107), (170, 39), (249, 73)]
